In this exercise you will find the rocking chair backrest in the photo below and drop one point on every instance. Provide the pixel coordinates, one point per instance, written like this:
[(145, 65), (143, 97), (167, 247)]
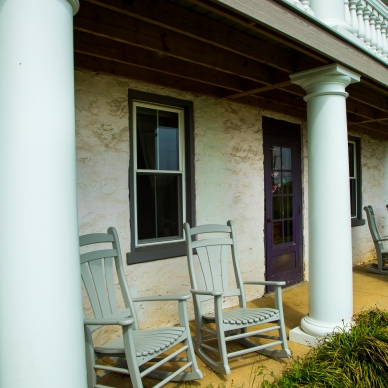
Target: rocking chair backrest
[(97, 270), (373, 227), (213, 255)]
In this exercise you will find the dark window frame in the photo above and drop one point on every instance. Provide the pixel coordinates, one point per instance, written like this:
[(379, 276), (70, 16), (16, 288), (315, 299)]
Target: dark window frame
[(142, 254), (358, 220)]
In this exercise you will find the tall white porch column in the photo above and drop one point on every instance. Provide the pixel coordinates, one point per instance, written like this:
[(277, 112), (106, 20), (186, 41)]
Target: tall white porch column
[(331, 12), (330, 246), (41, 328)]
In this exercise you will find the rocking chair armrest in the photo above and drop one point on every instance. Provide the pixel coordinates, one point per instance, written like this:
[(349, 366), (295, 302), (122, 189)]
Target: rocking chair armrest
[(206, 292), (162, 298), (109, 321), (266, 283)]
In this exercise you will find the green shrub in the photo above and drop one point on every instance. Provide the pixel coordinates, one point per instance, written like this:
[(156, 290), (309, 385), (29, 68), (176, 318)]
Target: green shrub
[(356, 358)]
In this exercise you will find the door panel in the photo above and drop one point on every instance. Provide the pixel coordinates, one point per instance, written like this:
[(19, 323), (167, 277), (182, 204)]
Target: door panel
[(283, 201)]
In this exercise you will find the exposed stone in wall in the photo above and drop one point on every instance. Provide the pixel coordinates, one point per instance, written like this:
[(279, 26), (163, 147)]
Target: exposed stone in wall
[(374, 164), (229, 183)]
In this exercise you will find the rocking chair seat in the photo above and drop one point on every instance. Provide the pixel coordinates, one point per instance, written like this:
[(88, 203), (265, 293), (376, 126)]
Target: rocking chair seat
[(147, 342), (246, 316)]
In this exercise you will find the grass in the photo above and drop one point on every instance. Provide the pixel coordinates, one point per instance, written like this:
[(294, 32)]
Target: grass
[(347, 358)]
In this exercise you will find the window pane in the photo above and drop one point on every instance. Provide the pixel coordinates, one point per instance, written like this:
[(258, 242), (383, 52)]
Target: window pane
[(286, 158), (159, 206), (287, 182), (353, 198), (277, 233), (276, 158), (288, 206), (351, 160), (277, 208), (146, 124), (276, 182), (157, 139), (168, 148), (288, 231)]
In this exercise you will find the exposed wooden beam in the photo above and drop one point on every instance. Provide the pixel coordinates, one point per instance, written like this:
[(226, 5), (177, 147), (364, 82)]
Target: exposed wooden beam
[(368, 96), (285, 98), (260, 90), (382, 121), (309, 33), (369, 131), (104, 66), (377, 126), (105, 48), (123, 28), (182, 20), (363, 110), (101, 47)]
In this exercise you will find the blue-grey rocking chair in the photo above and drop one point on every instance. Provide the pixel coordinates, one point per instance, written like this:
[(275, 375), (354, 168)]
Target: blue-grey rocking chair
[(381, 250), (134, 347), (213, 253)]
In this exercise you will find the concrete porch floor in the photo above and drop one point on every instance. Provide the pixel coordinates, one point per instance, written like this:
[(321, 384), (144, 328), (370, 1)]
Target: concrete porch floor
[(369, 290)]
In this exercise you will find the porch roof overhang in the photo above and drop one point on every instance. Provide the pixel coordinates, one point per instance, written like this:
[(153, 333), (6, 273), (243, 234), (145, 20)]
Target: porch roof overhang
[(214, 48)]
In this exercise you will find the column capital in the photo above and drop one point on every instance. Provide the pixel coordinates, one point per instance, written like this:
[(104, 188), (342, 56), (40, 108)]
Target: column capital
[(330, 79), (75, 5)]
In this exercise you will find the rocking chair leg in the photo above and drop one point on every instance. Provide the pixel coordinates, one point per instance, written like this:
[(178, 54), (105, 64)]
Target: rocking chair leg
[(90, 359)]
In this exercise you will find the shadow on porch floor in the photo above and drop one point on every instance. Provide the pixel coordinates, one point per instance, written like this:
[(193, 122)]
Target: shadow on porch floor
[(369, 290)]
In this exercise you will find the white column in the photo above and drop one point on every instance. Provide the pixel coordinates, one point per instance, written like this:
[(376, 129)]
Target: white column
[(330, 252), (331, 12), (41, 328)]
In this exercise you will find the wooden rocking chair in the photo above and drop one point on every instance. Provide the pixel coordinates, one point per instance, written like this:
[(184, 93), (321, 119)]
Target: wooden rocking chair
[(213, 254), (135, 347), (381, 251)]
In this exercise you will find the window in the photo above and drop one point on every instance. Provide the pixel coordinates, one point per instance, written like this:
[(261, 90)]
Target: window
[(354, 148), (161, 178)]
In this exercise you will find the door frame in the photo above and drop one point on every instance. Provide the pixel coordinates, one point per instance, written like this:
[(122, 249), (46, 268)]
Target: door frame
[(279, 129)]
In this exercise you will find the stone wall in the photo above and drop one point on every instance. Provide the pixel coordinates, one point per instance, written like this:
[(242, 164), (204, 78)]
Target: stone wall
[(374, 164), (229, 182)]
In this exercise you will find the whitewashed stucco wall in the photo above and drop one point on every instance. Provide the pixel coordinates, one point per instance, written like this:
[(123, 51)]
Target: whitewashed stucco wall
[(229, 182), (374, 167)]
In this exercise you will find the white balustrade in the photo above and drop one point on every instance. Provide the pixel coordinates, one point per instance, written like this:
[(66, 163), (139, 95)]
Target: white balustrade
[(353, 16), (379, 46), (303, 5), (368, 19), (372, 22), (348, 18), (360, 16), (368, 30), (384, 38)]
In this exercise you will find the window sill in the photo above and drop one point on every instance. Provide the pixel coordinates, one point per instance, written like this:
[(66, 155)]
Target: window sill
[(156, 252), (357, 222)]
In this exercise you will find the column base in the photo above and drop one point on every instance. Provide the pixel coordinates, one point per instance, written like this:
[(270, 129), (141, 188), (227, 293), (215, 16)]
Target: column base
[(320, 329), (301, 337)]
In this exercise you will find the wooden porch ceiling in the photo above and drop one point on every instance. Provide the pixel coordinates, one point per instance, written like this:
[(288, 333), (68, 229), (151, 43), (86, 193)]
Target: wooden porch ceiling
[(201, 47)]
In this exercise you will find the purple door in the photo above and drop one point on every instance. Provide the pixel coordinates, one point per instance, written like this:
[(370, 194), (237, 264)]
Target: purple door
[(283, 201)]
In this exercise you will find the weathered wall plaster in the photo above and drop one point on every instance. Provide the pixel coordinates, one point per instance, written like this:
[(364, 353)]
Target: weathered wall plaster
[(229, 183), (374, 161)]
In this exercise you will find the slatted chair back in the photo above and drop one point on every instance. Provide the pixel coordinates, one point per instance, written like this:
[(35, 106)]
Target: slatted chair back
[(213, 254), (98, 269), (374, 231)]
